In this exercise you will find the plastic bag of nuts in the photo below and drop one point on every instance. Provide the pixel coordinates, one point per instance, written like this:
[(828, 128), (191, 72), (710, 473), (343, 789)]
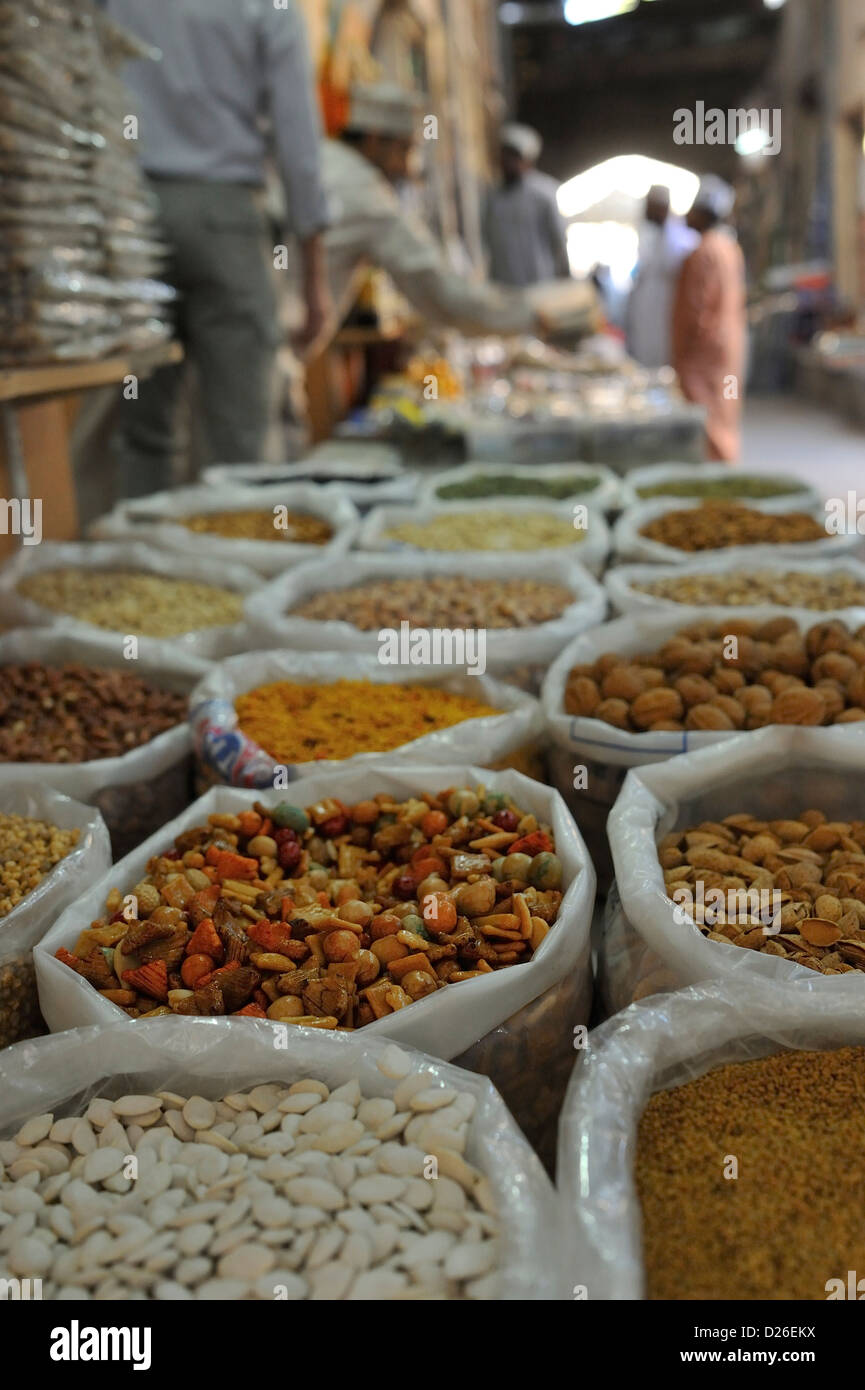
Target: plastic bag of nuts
[(740, 898), (136, 786), (188, 601), (250, 526), (789, 533), (662, 1044), (26, 918), (320, 1224), (529, 605), (821, 586), (226, 754), (456, 1018)]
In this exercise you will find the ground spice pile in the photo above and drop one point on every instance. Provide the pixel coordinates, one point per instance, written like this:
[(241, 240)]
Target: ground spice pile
[(794, 1218), (297, 723)]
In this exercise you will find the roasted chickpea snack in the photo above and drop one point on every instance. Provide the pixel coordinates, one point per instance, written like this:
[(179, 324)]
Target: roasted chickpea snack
[(333, 916)]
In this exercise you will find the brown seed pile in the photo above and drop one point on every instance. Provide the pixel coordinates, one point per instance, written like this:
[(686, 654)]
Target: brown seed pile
[(733, 675), (152, 605), (29, 849), (261, 525), (782, 588), (790, 888), (794, 1217), (716, 525), (444, 600), (74, 713)]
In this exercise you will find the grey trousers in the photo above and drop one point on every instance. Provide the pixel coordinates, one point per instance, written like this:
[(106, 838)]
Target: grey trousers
[(227, 322)]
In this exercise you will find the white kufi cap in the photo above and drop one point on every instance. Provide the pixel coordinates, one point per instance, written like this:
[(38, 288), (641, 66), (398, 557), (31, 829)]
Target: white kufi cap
[(716, 196), (523, 139), (383, 108)]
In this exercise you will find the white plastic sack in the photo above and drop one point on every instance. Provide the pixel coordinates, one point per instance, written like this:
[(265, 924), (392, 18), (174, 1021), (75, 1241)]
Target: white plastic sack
[(629, 544), (456, 1018), (24, 926), (355, 482), (654, 1046), (227, 755), (772, 773), (625, 598), (606, 497), (591, 546), (644, 632), (272, 624), (206, 643), (213, 1057), (134, 791), (800, 494), (152, 519)]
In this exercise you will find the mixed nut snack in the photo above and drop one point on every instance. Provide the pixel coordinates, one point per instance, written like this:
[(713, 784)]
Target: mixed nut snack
[(697, 680), (733, 485), (260, 525), (297, 723), (281, 1192), (821, 592), (133, 601), (75, 713), (793, 1122), (483, 485), (488, 530), (333, 916), (443, 600), (792, 888), (716, 525)]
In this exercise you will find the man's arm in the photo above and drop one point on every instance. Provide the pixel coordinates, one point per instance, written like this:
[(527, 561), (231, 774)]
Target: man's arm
[(558, 236), (296, 121)]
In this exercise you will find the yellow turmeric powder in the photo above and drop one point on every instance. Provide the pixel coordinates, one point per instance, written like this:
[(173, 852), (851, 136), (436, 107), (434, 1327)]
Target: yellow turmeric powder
[(304, 723)]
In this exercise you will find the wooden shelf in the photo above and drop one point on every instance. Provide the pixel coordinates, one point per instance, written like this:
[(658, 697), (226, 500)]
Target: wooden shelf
[(55, 379)]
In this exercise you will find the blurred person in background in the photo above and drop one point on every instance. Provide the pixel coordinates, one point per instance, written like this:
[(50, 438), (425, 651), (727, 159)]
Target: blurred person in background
[(665, 241), (225, 65), (709, 326), (523, 229)]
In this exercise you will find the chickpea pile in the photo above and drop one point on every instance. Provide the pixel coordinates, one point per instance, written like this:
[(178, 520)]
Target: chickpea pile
[(333, 916), (733, 675)]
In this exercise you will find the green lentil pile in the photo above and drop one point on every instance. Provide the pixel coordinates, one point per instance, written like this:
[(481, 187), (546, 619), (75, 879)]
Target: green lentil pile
[(794, 1217), (556, 489), (746, 486)]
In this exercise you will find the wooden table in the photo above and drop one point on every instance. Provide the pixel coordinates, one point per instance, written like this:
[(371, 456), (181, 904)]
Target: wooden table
[(38, 406)]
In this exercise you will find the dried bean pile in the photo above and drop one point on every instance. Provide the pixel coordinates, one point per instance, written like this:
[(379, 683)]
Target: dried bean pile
[(488, 530), (74, 713), (789, 888), (132, 601), (735, 484), (784, 588), (279, 1192), (261, 525), (447, 601), (29, 849), (332, 916), (697, 680), (716, 525), (790, 1220)]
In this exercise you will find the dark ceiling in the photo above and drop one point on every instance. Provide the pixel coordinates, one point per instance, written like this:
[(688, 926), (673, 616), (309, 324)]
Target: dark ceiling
[(608, 88)]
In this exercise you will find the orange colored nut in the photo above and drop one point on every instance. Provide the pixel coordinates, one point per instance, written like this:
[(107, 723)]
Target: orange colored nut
[(193, 968)]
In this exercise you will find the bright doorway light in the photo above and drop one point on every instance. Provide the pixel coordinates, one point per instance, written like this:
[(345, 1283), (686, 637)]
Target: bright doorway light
[(603, 243), (774, 4), (589, 11), (631, 175)]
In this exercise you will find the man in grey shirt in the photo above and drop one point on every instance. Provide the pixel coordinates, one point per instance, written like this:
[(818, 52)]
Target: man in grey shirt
[(523, 228), (226, 64)]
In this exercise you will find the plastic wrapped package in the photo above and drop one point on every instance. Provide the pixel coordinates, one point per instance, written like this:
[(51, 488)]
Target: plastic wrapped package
[(630, 545), (605, 495), (772, 773), (620, 581), (653, 1046), (213, 1057), (225, 754), (269, 612), (156, 521), (137, 790), (799, 495), (455, 1019), (591, 541), (24, 926), (209, 643)]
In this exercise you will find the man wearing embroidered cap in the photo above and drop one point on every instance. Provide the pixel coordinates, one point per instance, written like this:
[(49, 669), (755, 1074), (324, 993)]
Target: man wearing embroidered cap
[(709, 319), (523, 228)]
